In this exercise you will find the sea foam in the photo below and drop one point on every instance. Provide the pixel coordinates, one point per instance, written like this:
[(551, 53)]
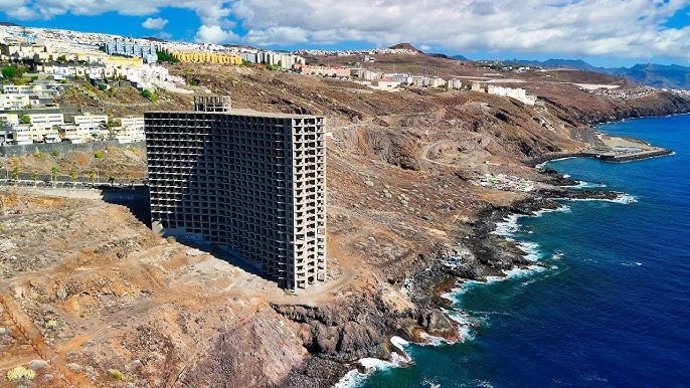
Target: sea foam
[(622, 198), (355, 378)]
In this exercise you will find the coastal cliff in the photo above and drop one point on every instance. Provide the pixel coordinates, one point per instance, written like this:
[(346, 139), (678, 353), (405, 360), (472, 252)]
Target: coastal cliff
[(417, 180)]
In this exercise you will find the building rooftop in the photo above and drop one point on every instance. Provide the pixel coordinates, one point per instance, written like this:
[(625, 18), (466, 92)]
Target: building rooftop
[(249, 112), (223, 105)]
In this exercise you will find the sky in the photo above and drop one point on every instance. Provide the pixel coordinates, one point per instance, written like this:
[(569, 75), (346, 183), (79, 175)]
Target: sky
[(603, 32)]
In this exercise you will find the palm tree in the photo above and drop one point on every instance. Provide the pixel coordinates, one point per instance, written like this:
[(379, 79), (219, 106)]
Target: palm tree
[(73, 176), (15, 173), (53, 173)]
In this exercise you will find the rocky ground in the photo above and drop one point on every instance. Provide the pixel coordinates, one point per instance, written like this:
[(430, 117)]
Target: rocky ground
[(91, 297)]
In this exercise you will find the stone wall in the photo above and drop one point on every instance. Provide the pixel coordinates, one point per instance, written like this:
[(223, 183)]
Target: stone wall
[(64, 147)]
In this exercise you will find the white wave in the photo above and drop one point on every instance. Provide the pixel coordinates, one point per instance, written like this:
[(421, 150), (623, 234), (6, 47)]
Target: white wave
[(540, 166), (434, 341), (430, 384), (625, 199), (352, 379), (464, 322), (507, 274), (530, 249), (508, 226), (566, 176), (522, 272), (583, 185), (557, 255), (622, 198), (399, 343), (635, 264), (355, 378), (562, 208)]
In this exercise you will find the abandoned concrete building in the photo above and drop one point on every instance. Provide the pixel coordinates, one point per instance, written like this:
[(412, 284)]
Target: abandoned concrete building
[(250, 182)]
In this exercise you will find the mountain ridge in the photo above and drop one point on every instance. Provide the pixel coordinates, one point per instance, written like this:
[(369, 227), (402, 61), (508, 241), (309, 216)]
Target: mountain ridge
[(648, 74)]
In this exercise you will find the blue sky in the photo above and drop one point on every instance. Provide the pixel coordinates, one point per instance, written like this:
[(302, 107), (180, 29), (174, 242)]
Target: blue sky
[(603, 32)]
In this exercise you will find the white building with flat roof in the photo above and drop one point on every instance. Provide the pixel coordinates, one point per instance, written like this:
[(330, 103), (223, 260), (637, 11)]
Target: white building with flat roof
[(515, 93), (9, 118), (21, 135), (46, 119), (14, 101), (131, 130)]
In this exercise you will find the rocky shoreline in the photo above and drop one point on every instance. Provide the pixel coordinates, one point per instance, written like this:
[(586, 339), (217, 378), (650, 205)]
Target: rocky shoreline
[(336, 346)]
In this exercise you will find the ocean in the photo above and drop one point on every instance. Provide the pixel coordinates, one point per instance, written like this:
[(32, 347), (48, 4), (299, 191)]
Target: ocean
[(612, 309)]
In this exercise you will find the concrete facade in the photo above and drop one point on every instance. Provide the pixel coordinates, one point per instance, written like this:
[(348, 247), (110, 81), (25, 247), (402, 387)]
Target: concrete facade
[(251, 182), (207, 57), (132, 49)]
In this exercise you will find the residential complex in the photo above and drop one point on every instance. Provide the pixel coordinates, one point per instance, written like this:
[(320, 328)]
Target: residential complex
[(514, 93), (324, 71), (207, 57), (55, 127), (132, 49), (250, 182)]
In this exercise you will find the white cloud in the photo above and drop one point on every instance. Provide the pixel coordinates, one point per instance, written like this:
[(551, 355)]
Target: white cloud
[(277, 35), (214, 34), (154, 23), (621, 28)]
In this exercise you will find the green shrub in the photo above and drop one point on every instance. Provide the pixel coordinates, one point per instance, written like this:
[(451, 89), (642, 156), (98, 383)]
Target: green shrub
[(100, 154), (149, 95), (116, 374), (164, 56), (12, 72), (55, 153), (51, 324)]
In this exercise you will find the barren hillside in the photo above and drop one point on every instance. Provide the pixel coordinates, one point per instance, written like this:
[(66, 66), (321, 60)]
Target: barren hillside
[(400, 200)]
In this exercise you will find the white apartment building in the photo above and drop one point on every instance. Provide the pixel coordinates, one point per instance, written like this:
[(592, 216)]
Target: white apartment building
[(14, 101), (9, 118), (46, 119), (367, 75), (131, 130), (284, 60), (21, 135), (134, 123), (455, 84), (88, 126), (43, 124), (437, 82), (385, 84), (518, 94), (17, 89), (89, 120)]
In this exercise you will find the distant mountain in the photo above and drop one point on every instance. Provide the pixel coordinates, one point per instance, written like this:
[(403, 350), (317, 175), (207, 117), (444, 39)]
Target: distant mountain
[(658, 76), (577, 64), (9, 24), (153, 38), (405, 46), (460, 58)]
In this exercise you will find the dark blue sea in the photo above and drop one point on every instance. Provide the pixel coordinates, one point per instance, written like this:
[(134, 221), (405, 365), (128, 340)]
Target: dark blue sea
[(614, 309)]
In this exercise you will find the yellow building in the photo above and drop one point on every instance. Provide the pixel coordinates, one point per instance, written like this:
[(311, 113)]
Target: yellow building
[(207, 57), (93, 57)]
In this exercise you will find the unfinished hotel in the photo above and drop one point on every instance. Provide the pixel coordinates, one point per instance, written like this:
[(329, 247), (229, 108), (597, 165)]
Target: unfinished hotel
[(251, 183)]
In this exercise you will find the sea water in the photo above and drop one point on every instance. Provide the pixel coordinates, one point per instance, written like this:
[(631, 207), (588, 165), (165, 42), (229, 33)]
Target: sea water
[(613, 309)]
